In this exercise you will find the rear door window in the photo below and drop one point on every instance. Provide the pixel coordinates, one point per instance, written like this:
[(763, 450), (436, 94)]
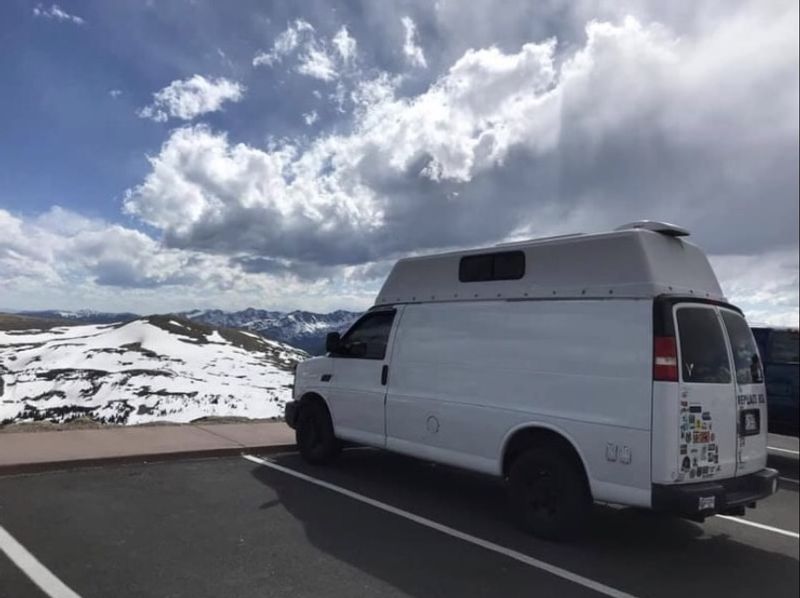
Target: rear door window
[(704, 356), (743, 346)]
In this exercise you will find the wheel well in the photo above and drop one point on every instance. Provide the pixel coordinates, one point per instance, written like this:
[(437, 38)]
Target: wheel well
[(312, 397), (533, 437)]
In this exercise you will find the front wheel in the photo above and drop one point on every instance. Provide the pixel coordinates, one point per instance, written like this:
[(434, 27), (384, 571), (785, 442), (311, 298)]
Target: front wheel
[(314, 434), (549, 494)]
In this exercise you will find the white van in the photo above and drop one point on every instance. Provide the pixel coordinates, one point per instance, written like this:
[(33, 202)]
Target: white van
[(604, 367)]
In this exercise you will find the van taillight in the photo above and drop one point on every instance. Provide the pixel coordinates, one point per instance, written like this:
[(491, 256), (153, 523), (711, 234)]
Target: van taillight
[(665, 359)]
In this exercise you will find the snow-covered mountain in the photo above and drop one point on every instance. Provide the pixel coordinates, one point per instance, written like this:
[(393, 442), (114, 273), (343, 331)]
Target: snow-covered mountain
[(303, 329), (150, 369), (81, 316)]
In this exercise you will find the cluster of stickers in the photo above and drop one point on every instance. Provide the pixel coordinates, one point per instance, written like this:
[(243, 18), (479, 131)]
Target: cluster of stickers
[(699, 451)]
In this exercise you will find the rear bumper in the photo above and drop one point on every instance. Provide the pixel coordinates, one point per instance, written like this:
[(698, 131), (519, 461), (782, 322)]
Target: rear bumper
[(290, 413), (722, 497)]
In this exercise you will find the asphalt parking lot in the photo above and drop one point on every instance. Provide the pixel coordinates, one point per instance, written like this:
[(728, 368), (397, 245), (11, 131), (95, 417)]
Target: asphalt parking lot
[(388, 526)]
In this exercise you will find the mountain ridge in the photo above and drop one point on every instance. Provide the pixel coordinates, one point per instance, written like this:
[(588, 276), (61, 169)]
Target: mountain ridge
[(303, 329), (157, 368)]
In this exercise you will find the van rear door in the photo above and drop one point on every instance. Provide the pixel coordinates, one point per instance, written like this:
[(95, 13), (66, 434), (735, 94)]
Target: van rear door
[(751, 399), (708, 410)]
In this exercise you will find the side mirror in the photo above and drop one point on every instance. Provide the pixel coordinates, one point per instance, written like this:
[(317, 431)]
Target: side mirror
[(332, 342)]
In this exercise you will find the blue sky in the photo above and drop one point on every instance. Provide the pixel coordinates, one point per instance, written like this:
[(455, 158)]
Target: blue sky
[(159, 156), (59, 116)]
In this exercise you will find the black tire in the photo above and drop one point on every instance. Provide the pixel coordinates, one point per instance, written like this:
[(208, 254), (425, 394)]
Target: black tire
[(314, 434), (549, 494)]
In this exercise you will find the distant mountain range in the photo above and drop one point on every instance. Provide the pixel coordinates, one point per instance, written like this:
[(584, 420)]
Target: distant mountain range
[(303, 329), (158, 368), (82, 316)]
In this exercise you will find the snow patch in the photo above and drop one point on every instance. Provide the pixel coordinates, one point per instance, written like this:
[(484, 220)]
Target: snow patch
[(137, 373)]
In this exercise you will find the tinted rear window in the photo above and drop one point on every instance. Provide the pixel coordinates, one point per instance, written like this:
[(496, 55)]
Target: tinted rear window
[(506, 265), (743, 347), (784, 346), (704, 356)]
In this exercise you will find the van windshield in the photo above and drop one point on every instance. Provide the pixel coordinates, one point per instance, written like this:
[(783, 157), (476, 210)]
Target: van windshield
[(743, 347), (704, 357)]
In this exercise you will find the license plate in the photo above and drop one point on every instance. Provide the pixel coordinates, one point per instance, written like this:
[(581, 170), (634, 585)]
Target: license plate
[(706, 503), (750, 422)]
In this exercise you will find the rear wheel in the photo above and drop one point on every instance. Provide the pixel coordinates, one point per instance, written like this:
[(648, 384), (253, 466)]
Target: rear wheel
[(314, 434), (549, 493)]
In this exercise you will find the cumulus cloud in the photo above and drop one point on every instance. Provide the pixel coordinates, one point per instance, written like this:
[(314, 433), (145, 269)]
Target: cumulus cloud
[(66, 244), (80, 262), (692, 119), (188, 98), (311, 117), (511, 144), (201, 181), (765, 286), (54, 12), (413, 52)]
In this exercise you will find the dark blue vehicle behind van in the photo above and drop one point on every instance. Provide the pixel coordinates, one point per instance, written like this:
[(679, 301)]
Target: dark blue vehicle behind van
[(780, 352)]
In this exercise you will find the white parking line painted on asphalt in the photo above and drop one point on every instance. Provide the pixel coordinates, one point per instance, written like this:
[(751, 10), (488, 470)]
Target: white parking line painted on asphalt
[(790, 480), (445, 529), (769, 528), (30, 566), (783, 450)]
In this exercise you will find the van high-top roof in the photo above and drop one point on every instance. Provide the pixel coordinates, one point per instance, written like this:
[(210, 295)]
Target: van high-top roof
[(637, 260)]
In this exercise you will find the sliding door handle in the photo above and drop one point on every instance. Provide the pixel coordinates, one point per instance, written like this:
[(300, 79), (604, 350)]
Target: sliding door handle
[(384, 374)]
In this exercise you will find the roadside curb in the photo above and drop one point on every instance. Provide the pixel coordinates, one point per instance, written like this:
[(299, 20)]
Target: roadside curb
[(45, 466)]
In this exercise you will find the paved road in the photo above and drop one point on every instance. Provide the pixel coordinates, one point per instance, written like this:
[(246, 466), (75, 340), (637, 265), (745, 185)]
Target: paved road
[(230, 527)]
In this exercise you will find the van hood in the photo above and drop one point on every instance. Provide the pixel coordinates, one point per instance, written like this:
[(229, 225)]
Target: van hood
[(313, 365)]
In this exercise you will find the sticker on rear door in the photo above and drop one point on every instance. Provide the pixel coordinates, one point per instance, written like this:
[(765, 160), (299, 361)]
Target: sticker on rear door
[(750, 399), (699, 452)]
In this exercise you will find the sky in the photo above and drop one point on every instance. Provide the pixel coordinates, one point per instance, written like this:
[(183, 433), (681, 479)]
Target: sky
[(184, 154)]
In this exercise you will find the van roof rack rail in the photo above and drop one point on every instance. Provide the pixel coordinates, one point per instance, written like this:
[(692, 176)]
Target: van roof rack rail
[(665, 228), (537, 240)]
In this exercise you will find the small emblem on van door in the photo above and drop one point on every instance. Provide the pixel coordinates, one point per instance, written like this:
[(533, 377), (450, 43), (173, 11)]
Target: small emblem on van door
[(432, 425), (611, 451)]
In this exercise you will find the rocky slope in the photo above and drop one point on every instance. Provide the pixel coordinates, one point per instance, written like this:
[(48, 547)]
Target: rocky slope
[(149, 369)]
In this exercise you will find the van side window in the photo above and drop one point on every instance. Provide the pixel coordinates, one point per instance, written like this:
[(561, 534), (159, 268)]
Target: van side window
[(743, 347), (505, 265), (704, 356), (367, 338), (762, 337), (784, 346)]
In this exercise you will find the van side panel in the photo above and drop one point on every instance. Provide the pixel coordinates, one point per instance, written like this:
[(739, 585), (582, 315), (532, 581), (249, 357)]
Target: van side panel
[(465, 375)]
